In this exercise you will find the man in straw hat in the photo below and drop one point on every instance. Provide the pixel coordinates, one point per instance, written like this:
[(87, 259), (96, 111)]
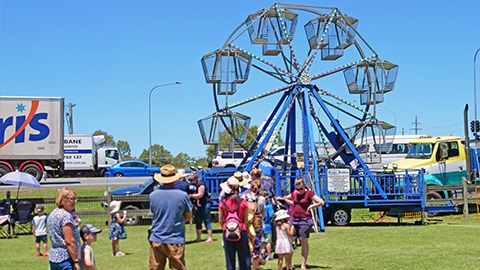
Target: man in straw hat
[(170, 208)]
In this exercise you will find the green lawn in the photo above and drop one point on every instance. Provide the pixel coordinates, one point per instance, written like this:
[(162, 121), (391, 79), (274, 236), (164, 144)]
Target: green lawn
[(447, 244)]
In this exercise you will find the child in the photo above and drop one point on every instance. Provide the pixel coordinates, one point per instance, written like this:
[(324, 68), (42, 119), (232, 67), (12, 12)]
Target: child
[(117, 231), (267, 232), (283, 246), (89, 235), (39, 229)]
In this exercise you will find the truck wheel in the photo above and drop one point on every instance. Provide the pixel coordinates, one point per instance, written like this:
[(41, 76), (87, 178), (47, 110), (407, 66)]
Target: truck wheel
[(118, 175), (3, 170), (132, 220), (340, 216), (34, 170)]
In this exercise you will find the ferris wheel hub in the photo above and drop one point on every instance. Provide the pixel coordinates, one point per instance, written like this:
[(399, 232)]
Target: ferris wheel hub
[(305, 79)]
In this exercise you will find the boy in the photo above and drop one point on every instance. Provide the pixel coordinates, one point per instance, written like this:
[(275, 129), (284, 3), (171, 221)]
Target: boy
[(39, 228), (89, 235)]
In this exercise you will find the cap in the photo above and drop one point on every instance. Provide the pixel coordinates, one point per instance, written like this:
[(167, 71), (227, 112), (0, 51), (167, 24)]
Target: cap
[(88, 228), (40, 208)]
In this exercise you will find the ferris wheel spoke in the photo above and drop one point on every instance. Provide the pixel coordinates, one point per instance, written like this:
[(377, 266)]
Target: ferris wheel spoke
[(341, 68), (276, 68), (274, 91)]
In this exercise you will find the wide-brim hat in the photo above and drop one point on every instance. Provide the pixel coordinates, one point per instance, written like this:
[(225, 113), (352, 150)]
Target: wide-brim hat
[(232, 181), (281, 215), (167, 175), (242, 177), (115, 206), (181, 173)]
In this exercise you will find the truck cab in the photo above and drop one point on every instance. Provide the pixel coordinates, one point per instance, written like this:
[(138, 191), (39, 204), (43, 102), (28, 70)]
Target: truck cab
[(442, 157)]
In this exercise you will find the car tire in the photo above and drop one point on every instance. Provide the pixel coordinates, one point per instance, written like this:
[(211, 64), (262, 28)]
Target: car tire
[(118, 175), (132, 220)]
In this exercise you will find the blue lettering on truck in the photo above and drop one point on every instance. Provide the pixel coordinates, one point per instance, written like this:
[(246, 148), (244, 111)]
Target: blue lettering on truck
[(32, 119)]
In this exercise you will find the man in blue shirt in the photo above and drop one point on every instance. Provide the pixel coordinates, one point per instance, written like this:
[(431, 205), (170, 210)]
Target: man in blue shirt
[(170, 208)]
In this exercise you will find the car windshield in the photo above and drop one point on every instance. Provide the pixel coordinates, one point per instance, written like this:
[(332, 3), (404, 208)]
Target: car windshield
[(147, 183), (422, 151)]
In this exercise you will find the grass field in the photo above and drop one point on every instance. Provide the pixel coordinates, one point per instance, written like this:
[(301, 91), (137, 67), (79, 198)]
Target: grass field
[(448, 242)]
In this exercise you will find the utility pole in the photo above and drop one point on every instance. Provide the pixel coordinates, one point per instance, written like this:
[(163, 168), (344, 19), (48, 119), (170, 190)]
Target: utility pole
[(70, 117), (416, 123)]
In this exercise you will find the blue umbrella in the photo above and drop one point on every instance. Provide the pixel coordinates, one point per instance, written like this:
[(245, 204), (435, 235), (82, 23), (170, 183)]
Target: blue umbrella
[(20, 179)]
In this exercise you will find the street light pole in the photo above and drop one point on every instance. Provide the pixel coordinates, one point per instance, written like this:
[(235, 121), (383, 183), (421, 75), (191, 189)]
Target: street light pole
[(475, 91), (150, 117)]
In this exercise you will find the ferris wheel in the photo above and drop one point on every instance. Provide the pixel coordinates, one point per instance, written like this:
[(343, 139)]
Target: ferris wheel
[(268, 64)]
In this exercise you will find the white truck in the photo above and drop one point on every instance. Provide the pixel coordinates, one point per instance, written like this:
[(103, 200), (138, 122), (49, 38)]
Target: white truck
[(83, 157), (31, 134)]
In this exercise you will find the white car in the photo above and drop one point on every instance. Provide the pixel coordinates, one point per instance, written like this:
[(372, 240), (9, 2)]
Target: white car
[(228, 159)]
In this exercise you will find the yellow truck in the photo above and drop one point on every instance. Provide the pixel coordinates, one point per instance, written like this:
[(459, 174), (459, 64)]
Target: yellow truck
[(442, 157)]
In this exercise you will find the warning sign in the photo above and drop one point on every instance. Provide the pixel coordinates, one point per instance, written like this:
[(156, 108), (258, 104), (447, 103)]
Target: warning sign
[(338, 180)]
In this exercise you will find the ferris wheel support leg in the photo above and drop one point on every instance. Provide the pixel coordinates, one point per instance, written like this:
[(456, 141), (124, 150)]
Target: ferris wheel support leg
[(263, 130), (270, 130), (309, 149), (349, 144)]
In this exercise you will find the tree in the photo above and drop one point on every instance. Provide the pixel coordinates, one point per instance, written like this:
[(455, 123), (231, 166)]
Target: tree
[(124, 149), (109, 141), (182, 160), (225, 141), (160, 156)]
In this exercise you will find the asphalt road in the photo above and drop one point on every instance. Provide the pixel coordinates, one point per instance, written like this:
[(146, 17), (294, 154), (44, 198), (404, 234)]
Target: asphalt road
[(86, 182)]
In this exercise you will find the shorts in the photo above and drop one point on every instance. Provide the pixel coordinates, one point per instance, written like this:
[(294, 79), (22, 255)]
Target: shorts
[(302, 227), (267, 238), (41, 238)]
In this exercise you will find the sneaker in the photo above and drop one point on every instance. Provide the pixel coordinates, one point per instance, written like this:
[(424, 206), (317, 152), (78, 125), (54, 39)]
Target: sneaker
[(270, 257), (119, 254), (39, 255), (45, 254)]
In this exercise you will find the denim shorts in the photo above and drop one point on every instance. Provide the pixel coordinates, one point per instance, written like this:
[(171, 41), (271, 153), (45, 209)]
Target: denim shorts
[(302, 227)]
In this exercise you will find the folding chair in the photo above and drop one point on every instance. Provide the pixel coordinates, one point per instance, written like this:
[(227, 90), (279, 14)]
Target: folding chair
[(5, 220), (23, 215)]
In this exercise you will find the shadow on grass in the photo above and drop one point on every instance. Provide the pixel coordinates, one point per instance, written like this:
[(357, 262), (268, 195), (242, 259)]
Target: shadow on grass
[(297, 266)]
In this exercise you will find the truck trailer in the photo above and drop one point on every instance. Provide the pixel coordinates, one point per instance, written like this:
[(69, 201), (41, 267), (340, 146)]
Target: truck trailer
[(31, 135)]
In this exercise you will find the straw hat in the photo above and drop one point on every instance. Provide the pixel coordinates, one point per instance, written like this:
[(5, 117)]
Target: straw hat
[(232, 181), (281, 215), (115, 206), (167, 175), (242, 177)]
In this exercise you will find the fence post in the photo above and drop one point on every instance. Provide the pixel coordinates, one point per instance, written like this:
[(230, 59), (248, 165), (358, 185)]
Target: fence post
[(465, 197), (109, 200)]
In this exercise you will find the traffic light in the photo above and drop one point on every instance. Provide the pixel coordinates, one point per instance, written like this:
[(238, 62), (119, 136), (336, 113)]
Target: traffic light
[(472, 126), (477, 126)]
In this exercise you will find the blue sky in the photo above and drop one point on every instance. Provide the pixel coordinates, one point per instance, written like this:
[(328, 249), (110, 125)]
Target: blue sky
[(105, 56)]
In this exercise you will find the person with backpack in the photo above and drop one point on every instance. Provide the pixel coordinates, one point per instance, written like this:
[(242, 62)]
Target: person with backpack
[(301, 200), (233, 216)]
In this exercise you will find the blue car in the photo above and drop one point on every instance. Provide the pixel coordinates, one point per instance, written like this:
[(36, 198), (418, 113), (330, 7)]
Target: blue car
[(131, 168)]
